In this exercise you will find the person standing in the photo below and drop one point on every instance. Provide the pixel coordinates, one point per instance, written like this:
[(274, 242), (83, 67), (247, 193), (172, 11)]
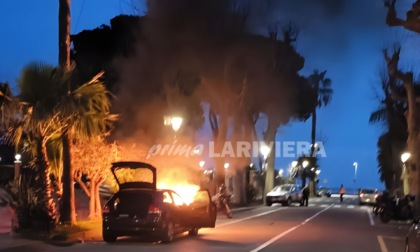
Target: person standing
[(342, 191), (305, 196)]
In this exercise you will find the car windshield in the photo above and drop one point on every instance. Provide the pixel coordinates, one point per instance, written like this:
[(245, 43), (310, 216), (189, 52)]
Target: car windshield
[(368, 191), (284, 188)]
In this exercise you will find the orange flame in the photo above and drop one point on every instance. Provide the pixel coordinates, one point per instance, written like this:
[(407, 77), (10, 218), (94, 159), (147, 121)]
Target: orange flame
[(185, 190)]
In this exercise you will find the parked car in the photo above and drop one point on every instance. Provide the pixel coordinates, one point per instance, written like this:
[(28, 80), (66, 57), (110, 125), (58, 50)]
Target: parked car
[(368, 196), (105, 191), (323, 192), (140, 209), (412, 240), (284, 194)]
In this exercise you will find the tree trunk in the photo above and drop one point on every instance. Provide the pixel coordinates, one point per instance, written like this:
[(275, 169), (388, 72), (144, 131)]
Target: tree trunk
[(44, 172), (219, 143), (64, 35), (270, 137), (92, 200), (313, 132), (68, 208), (98, 207)]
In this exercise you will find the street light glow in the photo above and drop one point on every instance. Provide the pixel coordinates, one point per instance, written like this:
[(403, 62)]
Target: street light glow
[(202, 163), (405, 156), (317, 172), (265, 150), (18, 157), (294, 163), (305, 163), (176, 123), (226, 165), (281, 172)]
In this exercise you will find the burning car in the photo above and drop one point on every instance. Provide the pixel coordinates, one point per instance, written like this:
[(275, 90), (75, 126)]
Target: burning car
[(139, 208)]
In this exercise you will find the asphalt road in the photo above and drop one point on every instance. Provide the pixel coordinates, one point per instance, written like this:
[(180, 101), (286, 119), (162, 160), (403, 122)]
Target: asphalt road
[(326, 225)]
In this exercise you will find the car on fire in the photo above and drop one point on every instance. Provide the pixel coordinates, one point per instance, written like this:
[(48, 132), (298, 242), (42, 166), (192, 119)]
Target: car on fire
[(284, 194), (138, 208)]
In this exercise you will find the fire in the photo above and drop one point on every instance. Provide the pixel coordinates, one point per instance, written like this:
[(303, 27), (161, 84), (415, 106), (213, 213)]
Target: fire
[(186, 191)]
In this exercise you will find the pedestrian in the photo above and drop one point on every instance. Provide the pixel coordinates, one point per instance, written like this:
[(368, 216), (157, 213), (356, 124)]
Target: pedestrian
[(305, 196), (342, 191)]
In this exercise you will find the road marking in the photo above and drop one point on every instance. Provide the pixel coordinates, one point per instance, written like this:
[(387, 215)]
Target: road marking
[(371, 219), (289, 230), (251, 217), (311, 205), (350, 206), (382, 244), (337, 206), (324, 205)]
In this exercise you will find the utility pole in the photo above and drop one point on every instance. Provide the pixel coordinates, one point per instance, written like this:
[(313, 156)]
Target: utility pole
[(67, 206)]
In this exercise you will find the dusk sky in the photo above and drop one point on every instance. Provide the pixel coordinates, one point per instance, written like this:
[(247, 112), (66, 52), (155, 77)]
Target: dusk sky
[(344, 38)]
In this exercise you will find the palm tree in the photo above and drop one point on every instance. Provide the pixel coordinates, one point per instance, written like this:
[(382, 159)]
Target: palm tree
[(393, 142), (53, 113), (323, 92), (36, 122), (85, 113)]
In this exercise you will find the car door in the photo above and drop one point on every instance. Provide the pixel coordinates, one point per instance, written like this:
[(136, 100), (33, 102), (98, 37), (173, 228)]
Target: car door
[(294, 194), (201, 212)]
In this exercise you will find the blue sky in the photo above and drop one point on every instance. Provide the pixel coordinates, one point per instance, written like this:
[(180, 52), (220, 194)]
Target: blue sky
[(348, 45)]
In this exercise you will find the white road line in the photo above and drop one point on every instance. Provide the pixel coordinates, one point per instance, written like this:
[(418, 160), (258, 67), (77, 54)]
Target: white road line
[(324, 205), (350, 206), (371, 219), (311, 205), (289, 230), (382, 244), (250, 217), (337, 206)]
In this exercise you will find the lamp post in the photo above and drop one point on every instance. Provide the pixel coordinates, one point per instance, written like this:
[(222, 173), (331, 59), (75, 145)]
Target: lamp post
[(355, 164), (404, 176), (265, 151), (17, 165), (226, 166)]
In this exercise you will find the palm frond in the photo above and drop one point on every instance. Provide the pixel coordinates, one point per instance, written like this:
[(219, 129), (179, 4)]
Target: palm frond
[(379, 115)]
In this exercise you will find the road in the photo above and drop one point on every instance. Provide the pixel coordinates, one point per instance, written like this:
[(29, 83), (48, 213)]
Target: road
[(326, 225)]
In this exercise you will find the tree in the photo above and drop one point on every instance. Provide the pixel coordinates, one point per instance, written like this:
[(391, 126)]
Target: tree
[(406, 78), (38, 122), (322, 89), (392, 143), (93, 158)]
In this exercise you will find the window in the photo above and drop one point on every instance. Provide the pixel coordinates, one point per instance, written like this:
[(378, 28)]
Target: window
[(177, 199), (167, 198)]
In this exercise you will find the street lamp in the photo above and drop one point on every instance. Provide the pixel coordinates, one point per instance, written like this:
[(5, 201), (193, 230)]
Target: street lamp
[(176, 123), (404, 158), (202, 163), (17, 165), (305, 163), (265, 151), (294, 163), (317, 172), (281, 172), (355, 164)]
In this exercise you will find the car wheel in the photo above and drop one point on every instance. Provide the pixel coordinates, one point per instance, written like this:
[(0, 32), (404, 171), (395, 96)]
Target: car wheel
[(108, 237), (168, 236), (268, 203), (193, 232), (289, 202)]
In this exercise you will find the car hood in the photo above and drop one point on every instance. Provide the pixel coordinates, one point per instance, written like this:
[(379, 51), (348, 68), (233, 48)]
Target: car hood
[(280, 193)]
